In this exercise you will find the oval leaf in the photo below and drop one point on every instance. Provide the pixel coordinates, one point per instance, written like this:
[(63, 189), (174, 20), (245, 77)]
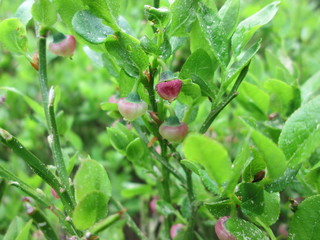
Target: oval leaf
[(301, 133), (91, 208), (210, 154), (304, 225), (90, 27), (13, 35), (244, 230), (90, 177)]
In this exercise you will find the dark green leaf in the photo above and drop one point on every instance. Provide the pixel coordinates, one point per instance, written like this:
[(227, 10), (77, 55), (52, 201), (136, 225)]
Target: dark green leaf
[(240, 64), (271, 209), (301, 133), (90, 27), (219, 209), (198, 63), (304, 224), (128, 53), (273, 156), (180, 20), (244, 230), (214, 34), (281, 183), (252, 199)]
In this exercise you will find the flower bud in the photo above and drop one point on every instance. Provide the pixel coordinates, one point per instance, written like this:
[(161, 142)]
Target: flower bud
[(221, 231), (54, 194), (132, 107), (173, 130), (169, 90), (153, 204), (35, 61), (63, 46), (175, 229)]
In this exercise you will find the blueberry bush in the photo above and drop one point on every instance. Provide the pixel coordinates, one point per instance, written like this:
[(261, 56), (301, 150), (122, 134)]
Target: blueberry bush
[(164, 119)]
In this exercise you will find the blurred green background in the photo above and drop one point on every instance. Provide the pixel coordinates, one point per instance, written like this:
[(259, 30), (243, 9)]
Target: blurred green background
[(290, 52)]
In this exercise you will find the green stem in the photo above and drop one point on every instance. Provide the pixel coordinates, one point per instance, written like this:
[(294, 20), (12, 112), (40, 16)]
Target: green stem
[(267, 229), (42, 222), (158, 157), (190, 230), (233, 93), (166, 189), (151, 92), (156, 3), (37, 166), (50, 116), (129, 220)]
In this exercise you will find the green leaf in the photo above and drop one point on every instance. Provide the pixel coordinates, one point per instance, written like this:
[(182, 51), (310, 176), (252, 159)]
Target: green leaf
[(149, 45), (210, 25), (135, 150), (243, 230), (283, 181), (219, 209), (198, 63), (91, 208), (90, 27), (240, 163), (128, 53), (14, 228), (130, 190), (311, 87), (189, 92), (283, 94), (44, 12), (90, 177), (256, 165), (210, 154), (105, 9), (253, 99), (35, 106), (249, 26), (17, 182), (240, 64), (197, 168), (108, 106), (252, 199), (24, 12), (304, 224), (271, 209), (229, 15), (206, 90), (273, 157), (180, 20), (24, 233), (165, 208), (119, 140), (67, 10), (13, 36), (300, 135)]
